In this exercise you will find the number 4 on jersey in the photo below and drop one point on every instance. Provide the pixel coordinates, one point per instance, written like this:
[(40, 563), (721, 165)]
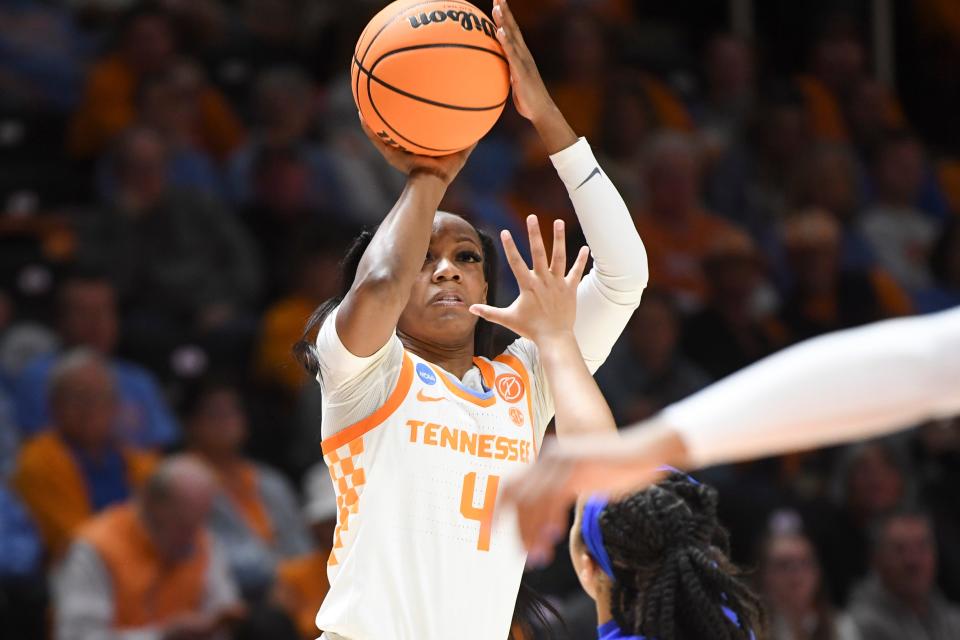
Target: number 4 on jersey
[(484, 514)]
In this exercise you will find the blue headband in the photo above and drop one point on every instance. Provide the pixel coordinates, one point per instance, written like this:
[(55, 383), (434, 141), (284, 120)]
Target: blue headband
[(591, 534), (593, 538), (590, 525)]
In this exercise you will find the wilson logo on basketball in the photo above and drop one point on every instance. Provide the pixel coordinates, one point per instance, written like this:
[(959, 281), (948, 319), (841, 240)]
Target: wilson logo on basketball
[(468, 21), (510, 387), (517, 416)]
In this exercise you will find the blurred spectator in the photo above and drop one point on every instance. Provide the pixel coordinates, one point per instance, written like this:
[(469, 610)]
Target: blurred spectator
[(873, 479), (9, 433), (729, 92), (650, 372), (169, 102), (183, 265), (899, 234), (945, 269), (627, 120), (285, 107), (838, 61), (87, 308), (791, 582), (146, 45), (268, 33), (41, 53), (286, 201), (302, 582), (315, 277), (675, 228), (22, 582), (582, 65), (828, 180), (76, 469), (366, 181), (147, 568), (734, 329), (751, 183), (937, 457), (255, 515), (824, 296), (900, 599)]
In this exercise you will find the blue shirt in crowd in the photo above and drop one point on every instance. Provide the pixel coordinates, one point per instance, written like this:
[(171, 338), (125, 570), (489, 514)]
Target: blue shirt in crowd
[(143, 418)]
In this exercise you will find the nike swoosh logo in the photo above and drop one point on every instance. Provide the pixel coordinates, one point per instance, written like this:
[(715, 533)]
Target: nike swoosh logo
[(595, 172), (424, 398)]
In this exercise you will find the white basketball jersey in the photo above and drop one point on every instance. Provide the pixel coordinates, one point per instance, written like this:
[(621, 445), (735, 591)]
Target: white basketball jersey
[(420, 550)]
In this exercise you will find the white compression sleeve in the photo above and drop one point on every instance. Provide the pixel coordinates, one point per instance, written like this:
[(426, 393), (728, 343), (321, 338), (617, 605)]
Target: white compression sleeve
[(608, 295), (843, 386)]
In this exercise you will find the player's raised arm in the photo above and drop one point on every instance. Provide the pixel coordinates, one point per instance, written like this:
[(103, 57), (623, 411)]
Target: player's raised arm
[(850, 384), (611, 291), (544, 312), (368, 315)]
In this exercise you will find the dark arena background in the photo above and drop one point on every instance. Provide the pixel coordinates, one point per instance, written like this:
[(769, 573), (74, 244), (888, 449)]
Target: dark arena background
[(179, 180)]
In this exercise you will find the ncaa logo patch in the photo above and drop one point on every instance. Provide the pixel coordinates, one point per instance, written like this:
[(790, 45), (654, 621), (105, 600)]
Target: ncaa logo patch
[(517, 416), (509, 386), (425, 374)]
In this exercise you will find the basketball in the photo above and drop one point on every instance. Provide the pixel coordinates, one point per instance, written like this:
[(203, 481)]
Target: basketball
[(430, 77)]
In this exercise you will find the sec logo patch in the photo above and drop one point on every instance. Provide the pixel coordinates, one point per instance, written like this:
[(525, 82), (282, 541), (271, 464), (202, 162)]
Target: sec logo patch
[(517, 416), (510, 387)]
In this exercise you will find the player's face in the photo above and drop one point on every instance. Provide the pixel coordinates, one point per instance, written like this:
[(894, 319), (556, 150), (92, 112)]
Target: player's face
[(450, 280)]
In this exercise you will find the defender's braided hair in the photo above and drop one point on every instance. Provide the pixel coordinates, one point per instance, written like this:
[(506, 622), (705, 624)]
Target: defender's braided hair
[(672, 575)]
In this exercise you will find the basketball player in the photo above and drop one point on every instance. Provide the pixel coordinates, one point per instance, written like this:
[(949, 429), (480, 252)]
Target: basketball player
[(420, 425), (839, 387), (656, 564), (656, 561)]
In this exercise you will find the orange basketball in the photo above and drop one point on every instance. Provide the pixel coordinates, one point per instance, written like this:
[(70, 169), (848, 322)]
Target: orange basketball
[(430, 77)]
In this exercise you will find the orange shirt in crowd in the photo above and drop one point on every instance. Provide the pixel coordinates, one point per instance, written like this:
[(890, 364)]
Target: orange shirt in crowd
[(282, 326), (893, 301), (242, 488), (107, 108), (675, 253), (826, 114), (301, 587), (52, 487), (147, 589)]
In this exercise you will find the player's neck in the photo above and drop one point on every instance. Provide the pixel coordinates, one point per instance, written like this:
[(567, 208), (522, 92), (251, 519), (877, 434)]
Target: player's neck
[(457, 359), (604, 614)]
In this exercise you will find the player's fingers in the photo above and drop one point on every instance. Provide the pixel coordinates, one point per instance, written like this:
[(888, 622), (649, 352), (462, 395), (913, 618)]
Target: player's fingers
[(537, 251), (558, 261), (491, 314), (509, 23), (517, 265), (579, 265)]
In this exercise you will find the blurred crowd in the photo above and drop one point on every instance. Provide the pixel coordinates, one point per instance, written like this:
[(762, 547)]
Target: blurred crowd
[(178, 181)]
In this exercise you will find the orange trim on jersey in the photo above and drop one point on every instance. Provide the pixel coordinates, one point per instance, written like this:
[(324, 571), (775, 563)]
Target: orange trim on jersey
[(460, 393), (376, 418), (514, 363), (486, 371)]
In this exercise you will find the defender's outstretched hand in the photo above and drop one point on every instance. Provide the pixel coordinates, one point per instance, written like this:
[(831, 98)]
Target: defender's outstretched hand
[(547, 304)]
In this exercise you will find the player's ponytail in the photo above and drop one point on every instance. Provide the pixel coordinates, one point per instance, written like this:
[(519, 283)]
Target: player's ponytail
[(532, 612), (483, 343), (672, 579)]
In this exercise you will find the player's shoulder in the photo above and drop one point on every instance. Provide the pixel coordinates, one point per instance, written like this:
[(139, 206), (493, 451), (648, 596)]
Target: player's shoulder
[(522, 354)]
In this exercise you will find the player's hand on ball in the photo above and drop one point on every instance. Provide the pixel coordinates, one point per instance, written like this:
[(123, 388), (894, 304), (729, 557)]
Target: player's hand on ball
[(530, 95), (547, 304), (445, 168)]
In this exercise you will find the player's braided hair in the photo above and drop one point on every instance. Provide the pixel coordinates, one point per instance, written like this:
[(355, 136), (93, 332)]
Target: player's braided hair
[(672, 575), (483, 340)]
